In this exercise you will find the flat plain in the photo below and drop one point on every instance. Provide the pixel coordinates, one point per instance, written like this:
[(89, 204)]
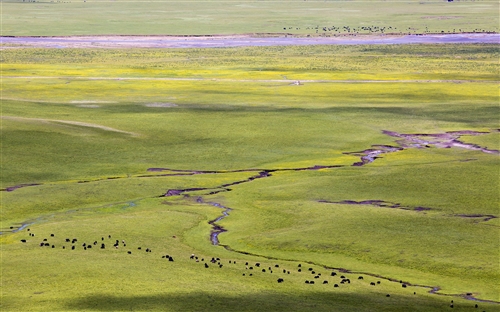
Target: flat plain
[(214, 17), (373, 168)]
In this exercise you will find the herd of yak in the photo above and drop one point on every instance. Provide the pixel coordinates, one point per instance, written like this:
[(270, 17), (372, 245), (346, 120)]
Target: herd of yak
[(310, 274), (383, 30)]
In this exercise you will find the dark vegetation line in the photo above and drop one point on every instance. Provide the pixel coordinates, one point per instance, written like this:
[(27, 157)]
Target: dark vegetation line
[(377, 203), (386, 204)]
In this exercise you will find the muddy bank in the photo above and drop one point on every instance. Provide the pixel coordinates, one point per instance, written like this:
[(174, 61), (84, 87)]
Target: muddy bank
[(385, 204), (369, 155), (422, 140), (441, 140), (262, 173), (15, 187), (216, 229), (376, 203), (483, 218), (238, 40)]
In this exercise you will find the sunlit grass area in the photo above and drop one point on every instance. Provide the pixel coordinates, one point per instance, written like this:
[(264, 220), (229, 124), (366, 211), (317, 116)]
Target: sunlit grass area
[(154, 163)]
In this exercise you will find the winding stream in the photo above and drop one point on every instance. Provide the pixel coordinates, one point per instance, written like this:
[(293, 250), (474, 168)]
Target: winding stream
[(405, 141), (240, 40)]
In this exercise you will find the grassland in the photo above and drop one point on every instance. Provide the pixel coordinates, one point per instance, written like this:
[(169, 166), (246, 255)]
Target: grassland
[(66, 18), (85, 125)]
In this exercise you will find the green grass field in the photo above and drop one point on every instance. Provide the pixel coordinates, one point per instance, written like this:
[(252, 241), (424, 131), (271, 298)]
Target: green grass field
[(209, 17), (86, 125)]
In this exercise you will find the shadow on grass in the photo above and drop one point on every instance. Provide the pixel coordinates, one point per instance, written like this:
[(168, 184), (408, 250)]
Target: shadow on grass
[(265, 301)]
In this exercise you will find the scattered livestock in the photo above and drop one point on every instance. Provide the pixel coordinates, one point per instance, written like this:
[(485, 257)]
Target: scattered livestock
[(344, 279)]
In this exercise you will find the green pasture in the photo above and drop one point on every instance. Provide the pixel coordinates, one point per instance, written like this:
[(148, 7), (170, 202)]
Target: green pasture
[(209, 17), (86, 136)]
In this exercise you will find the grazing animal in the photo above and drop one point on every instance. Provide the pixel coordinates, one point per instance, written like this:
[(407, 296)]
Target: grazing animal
[(44, 239), (257, 264), (342, 276), (287, 272), (52, 235), (53, 246), (378, 282), (404, 285), (89, 246), (206, 265), (336, 285), (47, 244), (325, 282), (312, 272), (311, 282), (310, 269), (129, 252), (333, 274), (139, 248), (170, 259), (103, 246), (300, 265), (372, 283), (280, 280), (276, 265), (300, 270), (264, 270), (68, 240), (23, 241), (72, 247), (317, 276), (284, 271), (387, 295), (307, 282), (360, 278), (64, 247)]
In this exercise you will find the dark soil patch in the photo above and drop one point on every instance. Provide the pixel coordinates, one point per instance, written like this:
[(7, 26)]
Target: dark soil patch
[(376, 203), (15, 187)]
